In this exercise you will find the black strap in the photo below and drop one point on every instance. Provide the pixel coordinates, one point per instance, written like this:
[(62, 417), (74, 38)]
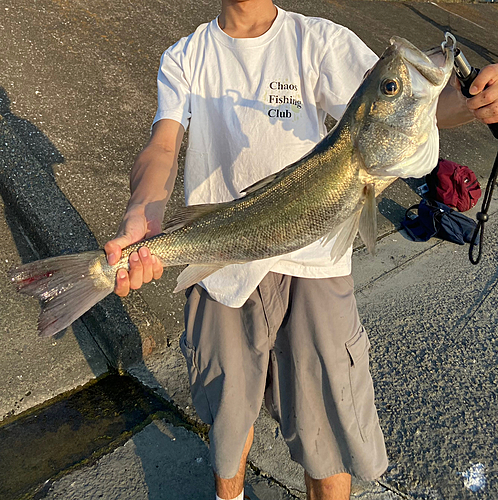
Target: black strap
[(413, 207), (483, 216)]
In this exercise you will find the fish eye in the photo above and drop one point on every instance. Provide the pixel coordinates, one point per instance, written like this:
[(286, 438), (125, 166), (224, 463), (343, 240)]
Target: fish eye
[(390, 87)]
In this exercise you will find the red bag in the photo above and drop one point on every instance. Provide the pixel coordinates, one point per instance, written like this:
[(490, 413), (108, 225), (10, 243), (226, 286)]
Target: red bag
[(454, 185)]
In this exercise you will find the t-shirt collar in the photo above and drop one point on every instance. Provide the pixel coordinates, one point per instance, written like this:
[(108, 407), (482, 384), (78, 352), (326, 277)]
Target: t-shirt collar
[(241, 43)]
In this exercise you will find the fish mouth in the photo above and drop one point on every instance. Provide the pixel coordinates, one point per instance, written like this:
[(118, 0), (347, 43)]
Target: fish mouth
[(435, 65)]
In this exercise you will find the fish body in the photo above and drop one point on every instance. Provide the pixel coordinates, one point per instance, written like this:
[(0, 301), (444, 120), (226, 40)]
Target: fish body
[(297, 207), (329, 192)]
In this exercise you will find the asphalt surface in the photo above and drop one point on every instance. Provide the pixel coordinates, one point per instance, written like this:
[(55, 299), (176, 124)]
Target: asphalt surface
[(77, 96)]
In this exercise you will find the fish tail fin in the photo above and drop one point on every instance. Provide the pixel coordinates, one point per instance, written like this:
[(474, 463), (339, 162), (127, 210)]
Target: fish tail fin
[(67, 287)]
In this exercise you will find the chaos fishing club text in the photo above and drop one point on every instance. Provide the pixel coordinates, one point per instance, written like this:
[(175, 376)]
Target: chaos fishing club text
[(276, 99)]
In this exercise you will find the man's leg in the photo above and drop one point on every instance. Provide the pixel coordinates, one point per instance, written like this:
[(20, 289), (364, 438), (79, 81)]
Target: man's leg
[(337, 487), (231, 488), (227, 355), (320, 388)]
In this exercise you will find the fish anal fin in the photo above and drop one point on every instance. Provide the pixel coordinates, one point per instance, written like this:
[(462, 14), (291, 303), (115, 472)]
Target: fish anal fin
[(194, 273), (368, 219)]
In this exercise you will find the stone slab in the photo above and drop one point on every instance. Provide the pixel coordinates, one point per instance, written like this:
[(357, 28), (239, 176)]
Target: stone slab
[(161, 462)]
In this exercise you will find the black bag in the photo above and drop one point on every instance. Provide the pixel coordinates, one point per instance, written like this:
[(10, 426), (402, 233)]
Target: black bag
[(437, 219)]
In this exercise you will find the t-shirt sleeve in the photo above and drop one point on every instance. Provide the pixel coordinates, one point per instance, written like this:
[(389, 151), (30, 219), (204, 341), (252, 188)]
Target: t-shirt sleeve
[(173, 87), (341, 69)]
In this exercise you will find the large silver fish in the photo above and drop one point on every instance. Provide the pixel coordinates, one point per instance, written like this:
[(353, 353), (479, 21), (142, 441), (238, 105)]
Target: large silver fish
[(330, 191)]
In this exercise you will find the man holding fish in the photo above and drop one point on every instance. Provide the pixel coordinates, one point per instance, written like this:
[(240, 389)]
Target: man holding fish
[(255, 85)]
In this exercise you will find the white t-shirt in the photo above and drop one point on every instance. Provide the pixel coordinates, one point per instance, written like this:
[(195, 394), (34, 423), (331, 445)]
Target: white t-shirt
[(255, 105)]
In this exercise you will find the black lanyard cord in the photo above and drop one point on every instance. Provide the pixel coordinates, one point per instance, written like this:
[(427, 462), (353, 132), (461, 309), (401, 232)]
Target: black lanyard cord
[(483, 216), (466, 75)]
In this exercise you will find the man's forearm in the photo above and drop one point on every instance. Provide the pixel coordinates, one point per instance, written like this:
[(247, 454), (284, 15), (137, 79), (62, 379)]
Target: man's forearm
[(152, 179), (153, 175), (452, 109)]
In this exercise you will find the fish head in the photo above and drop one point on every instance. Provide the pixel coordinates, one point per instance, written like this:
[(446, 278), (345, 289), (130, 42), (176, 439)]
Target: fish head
[(393, 121)]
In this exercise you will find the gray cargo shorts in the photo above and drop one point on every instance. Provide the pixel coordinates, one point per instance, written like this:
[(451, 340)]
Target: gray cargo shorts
[(298, 343)]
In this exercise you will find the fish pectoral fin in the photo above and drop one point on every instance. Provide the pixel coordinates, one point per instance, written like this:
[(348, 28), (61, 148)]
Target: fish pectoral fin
[(193, 274), (332, 233), (368, 219), (346, 233)]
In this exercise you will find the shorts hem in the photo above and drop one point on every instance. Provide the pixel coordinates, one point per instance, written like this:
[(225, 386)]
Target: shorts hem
[(226, 476), (221, 476), (370, 477)]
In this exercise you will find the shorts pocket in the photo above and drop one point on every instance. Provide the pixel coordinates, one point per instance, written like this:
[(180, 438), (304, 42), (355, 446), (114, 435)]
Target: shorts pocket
[(197, 390), (362, 391)]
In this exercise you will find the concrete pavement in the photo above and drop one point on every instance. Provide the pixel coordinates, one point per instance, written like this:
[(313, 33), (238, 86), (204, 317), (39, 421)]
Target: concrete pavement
[(77, 97)]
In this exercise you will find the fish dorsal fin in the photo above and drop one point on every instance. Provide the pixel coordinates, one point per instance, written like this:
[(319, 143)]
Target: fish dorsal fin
[(277, 176), (272, 177), (261, 183), (368, 219), (346, 233), (193, 274), (188, 214)]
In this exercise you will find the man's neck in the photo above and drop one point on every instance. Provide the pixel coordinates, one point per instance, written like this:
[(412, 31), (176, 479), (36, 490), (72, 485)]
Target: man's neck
[(246, 19)]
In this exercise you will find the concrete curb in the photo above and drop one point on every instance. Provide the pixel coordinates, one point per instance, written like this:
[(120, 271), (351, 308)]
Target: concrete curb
[(54, 227)]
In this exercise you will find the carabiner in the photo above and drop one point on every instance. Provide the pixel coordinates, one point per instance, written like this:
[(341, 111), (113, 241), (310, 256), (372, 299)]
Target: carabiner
[(447, 37)]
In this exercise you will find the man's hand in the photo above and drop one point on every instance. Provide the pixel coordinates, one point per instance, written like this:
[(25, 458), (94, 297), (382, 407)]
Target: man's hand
[(144, 267), (484, 104), (455, 109)]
